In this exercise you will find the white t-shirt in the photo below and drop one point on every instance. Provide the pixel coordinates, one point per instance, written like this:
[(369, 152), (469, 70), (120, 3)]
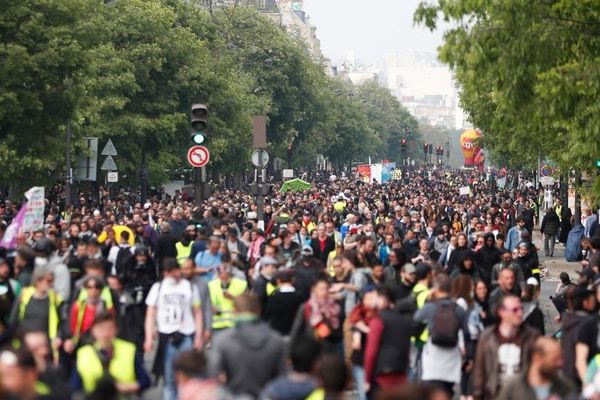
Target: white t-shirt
[(174, 303)]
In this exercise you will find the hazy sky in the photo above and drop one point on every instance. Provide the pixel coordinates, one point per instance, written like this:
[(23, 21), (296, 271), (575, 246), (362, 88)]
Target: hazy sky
[(371, 28)]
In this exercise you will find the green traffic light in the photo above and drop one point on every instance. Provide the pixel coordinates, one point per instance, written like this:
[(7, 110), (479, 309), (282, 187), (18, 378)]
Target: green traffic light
[(598, 163), (198, 138)]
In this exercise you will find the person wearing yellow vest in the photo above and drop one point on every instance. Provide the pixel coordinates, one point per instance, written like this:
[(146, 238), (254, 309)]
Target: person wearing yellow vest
[(174, 310), (222, 291), (20, 377), (184, 247), (85, 309), (265, 284), (38, 308), (307, 222), (109, 359), (421, 292)]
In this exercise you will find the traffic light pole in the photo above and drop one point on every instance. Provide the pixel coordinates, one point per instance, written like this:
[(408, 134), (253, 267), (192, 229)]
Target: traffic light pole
[(199, 178), (68, 181)]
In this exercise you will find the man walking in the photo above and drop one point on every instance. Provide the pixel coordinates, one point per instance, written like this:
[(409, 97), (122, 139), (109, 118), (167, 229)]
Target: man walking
[(542, 379), (174, 311), (514, 235), (250, 354), (441, 358), (503, 350), (549, 228)]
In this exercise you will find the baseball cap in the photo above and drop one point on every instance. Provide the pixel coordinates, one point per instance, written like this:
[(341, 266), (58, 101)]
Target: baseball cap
[(307, 250), (409, 268), (532, 281)]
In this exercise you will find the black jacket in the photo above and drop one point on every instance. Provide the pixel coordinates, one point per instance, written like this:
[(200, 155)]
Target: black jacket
[(322, 255), (485, 259), (394, 347), (550, 223)]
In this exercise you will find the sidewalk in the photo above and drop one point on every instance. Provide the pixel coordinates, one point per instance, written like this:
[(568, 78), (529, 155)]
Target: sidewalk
[(555, 265)]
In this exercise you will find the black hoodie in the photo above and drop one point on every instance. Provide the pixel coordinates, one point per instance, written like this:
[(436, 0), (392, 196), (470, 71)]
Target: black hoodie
[(486, 258), (571, 322)]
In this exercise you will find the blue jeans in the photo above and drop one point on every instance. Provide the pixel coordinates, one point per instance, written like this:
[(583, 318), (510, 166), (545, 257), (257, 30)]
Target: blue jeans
[(170, 389), (358, 372)]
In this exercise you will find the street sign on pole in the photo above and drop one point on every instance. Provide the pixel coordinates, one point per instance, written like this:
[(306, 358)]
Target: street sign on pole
[(198, 156), (112, 177), (109, 164), (86, 164), (260, 158), (109, 149), (259, 132), (547, 181)]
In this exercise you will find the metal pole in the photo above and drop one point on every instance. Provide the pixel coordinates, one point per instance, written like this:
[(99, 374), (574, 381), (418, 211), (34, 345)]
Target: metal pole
[(197, 186), (68, 196), (144, 177), (260, 200)]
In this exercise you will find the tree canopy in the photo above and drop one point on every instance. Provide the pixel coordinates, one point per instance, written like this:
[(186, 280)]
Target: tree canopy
[(129, 71), (528, 72)]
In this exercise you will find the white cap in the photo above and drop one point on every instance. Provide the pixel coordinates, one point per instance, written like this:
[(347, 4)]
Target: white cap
[(147, 206), (532, 281), (96, 213)]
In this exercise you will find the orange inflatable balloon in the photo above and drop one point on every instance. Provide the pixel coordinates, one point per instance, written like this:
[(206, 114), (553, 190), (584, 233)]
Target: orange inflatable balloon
[(469, 146)]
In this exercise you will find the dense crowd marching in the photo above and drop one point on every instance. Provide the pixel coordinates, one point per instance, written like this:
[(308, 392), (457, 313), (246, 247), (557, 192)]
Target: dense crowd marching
[(407, 290)]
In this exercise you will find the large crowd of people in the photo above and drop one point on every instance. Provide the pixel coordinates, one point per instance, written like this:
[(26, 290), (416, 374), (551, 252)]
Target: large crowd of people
[(407, 290)]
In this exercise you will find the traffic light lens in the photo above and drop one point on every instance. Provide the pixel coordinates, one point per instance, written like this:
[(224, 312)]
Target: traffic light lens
[(199, 125), (199, 112), (198, 138), (598, 163)]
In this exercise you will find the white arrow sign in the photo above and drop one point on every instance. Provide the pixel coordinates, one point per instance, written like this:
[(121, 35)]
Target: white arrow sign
[(109, 149)]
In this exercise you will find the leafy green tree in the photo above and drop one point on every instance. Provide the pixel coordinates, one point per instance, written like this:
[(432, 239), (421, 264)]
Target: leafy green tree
[(528, 73), (42, 60)]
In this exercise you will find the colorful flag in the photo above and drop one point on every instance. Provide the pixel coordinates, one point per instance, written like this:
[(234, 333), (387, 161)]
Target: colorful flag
[(8, 241)]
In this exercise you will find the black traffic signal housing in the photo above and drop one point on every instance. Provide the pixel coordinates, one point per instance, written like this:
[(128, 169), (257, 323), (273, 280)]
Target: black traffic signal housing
[(426, 148), (403, 145), (199, 123)]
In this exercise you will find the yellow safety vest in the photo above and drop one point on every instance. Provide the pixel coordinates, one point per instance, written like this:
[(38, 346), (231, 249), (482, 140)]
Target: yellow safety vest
[(80, 314), (225, 306), (105, 296), (340, 206), (317, 394), (41, 389), (271, 288), (121, 367), (183, 252), (558, 210), (54, 299), (421, 292)]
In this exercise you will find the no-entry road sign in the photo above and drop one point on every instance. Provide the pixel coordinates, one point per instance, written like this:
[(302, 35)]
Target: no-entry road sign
[(198, 156)]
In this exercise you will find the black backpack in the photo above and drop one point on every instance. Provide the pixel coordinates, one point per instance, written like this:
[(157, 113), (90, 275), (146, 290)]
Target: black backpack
[(445, 325)]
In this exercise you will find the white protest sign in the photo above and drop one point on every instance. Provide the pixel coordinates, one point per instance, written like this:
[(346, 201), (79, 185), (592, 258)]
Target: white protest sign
[(464, 191), (34, 217)]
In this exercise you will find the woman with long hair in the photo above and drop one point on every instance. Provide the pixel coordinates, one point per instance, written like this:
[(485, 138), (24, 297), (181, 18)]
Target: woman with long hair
[(457, 225)]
